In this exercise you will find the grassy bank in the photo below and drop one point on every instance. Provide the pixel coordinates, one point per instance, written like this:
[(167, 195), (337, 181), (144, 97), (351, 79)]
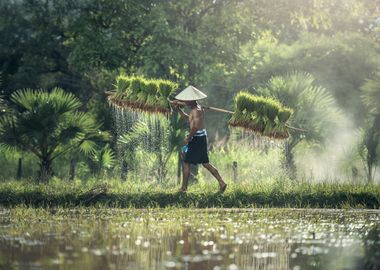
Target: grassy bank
[(112, 193)]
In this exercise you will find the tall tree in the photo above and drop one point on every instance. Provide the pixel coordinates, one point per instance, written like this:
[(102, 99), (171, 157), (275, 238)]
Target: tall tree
[(370, 146), (314, 108)]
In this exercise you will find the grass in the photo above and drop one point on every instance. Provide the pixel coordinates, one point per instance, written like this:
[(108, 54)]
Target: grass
[(113, 193)]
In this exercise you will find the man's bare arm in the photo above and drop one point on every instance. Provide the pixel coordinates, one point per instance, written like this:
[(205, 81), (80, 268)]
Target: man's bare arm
[(184, 115), (176, 104)]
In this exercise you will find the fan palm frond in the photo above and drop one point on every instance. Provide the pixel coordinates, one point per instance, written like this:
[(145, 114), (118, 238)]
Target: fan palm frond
[(48, 124), (371, 94), (101, 159), (137, 132), (57, 101)]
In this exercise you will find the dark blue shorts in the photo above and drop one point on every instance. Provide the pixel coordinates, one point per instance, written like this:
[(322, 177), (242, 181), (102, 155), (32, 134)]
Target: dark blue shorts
[(197, 150)]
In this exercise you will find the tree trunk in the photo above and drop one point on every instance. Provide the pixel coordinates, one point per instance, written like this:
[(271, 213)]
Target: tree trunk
[(73, 164), (289, 161), (234, 171), (370, 172), (46, 171), (179, 168)]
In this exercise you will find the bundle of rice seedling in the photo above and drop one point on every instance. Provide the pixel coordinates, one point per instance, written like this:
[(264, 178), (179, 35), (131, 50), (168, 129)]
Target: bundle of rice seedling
[(152, 89), (281, 129), (140, 94), (244, 101), (166, 88), (121, 86), (272, 108), (263, 115)]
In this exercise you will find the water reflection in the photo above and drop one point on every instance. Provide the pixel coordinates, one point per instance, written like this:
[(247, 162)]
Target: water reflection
[(189, 239)]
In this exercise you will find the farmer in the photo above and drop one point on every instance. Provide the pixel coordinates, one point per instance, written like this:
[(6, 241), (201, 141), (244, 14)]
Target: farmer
[(195, 144)]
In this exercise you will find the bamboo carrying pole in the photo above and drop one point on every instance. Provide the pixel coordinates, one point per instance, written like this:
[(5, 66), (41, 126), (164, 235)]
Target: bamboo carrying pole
[(231, 112), (109, 93), (217, 109)]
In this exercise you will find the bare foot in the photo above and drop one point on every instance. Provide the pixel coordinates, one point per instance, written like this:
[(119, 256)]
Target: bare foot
[(182, 190), (222, 188)]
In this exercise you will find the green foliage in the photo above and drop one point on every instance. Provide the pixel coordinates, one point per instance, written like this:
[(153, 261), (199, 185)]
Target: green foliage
[(340, 64), (221, 46), (48, 125)]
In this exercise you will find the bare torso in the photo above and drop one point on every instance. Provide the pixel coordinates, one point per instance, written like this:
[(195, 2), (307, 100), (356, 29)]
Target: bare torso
[(196, 118)]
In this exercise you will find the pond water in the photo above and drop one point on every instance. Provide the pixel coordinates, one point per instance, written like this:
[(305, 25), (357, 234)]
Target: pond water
[(189, 239)]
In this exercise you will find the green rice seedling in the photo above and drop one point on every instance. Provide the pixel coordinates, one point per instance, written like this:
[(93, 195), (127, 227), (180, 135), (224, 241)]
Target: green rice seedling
[(135, 84), (236, 117), (284, 114), (151, 88), (241, 101), (151, 100), (141, 97), (163, 103), (166, 88), (261, 106), (251, 105), (281, 129), (272, 108), (122, 84), (260, 123), (119, 95), (269, 129)]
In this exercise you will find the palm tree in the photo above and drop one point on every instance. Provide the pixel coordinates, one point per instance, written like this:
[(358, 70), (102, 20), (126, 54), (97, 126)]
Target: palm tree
[(164, 141), (314, 111), (2, 106), (48, 125), (100, 160), (370, 146)]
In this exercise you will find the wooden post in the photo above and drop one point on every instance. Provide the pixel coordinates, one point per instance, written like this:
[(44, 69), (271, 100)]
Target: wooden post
[(235, 171), (124, 170), (19, 169), (73, 164)]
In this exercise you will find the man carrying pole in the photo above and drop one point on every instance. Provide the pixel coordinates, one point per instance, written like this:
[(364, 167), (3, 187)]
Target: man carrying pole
[(195, 144)]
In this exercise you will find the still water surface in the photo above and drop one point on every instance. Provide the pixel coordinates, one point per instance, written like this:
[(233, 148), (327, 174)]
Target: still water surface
[(189, 239)]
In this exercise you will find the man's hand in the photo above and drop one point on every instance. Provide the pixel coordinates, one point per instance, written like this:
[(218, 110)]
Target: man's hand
[(174, 104), (177, 103), (186, 141)]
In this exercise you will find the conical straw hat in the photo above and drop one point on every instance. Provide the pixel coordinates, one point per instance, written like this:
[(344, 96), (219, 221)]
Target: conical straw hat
[(190, 93)]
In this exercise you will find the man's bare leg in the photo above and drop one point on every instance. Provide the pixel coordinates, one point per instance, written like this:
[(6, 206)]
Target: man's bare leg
[(185, 176), (216, 174)]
